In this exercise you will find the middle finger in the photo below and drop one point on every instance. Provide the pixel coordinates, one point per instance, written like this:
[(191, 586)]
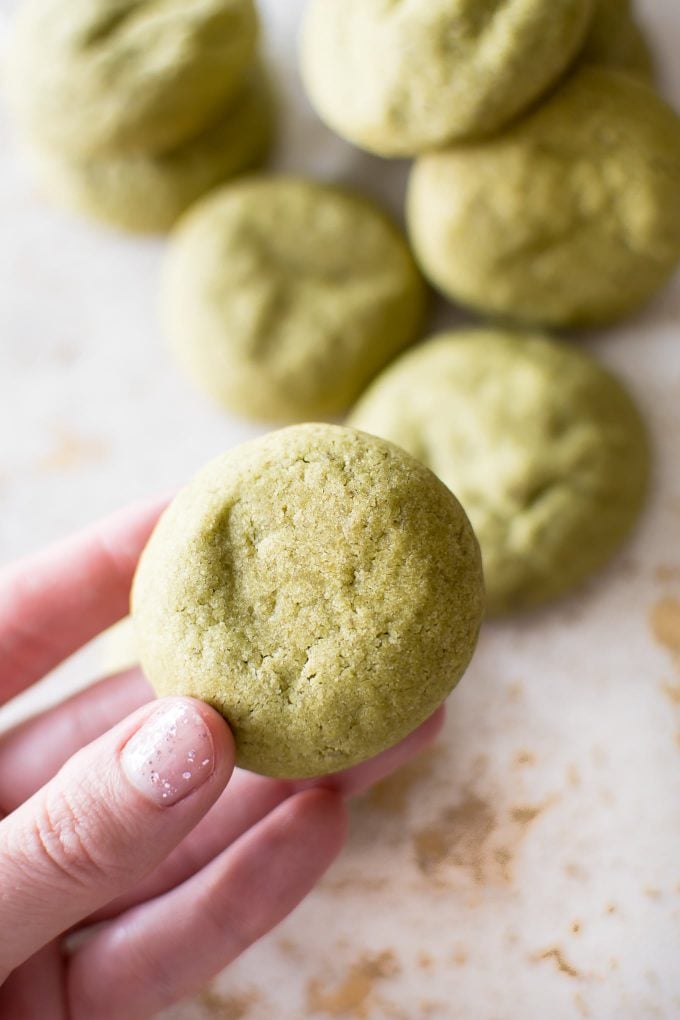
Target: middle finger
[(34, 751), (247, 800)]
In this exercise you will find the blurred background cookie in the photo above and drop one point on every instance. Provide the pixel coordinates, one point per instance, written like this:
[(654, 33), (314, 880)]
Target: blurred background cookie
[(126, 76), (543, 447), (402, 78), (147, 192), (570, 217), (283, 297), (616, 40)]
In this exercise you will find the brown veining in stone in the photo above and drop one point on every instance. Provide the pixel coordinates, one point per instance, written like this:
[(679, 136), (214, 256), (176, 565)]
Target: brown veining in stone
[(354, 995), (358, 883), (557, 956), (393, 795), (666, 572), (581, 1005), (293, 950), (470, 836), (227, 1007), (665, 624), (524, 758), (425, 961), (503, 858), (72, 450), (526, 814), (459, 837), (672, 692)]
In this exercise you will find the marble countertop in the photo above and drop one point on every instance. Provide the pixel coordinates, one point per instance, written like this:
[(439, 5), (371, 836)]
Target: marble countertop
[(528, 866)]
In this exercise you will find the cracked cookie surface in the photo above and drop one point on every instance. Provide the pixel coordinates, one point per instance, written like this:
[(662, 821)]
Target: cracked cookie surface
[(543, 447), (320, 588)]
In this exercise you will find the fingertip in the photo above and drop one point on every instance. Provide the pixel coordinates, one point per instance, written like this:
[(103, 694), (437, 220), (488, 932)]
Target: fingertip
[(220, 731)]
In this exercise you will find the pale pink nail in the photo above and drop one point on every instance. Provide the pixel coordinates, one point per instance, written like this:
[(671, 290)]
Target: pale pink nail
[(171, 755)]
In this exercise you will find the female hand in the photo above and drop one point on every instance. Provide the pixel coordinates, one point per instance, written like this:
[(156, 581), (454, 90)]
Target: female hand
[(124, 813)]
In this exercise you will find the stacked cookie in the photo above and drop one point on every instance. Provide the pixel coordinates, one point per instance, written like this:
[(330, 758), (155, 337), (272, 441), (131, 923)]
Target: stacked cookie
[(535, 197), (131, 111)]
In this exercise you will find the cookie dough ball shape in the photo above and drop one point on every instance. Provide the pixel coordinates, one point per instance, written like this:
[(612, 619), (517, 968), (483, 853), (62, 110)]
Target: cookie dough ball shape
[(543, 447), (284, 297), (402, 78), (616, 40), (571, 217), (317, 586), (126, 76), (147, 193)]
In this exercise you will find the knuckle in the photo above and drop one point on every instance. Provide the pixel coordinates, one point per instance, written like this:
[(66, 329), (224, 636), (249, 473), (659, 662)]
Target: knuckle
[(230, 922), (64, 839)]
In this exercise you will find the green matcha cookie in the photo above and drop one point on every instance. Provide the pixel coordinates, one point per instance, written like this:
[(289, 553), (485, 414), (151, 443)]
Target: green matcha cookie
[(571, 217), (318, 587), (126, 76), (402, 78), (147, 193), (543, 447), (615, 40), (283, 297)]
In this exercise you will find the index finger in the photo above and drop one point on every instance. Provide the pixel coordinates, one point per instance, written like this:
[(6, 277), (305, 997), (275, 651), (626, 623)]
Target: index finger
[(53, 602)]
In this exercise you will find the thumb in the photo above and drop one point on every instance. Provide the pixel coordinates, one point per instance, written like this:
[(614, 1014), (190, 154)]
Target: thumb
[(108, 818)]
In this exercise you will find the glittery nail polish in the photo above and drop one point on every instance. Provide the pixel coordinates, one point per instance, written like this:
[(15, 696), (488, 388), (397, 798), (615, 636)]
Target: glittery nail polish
[(171, 755)]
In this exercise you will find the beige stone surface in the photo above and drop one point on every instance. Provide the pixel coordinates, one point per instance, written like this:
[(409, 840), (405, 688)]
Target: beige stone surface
[(527, 868)]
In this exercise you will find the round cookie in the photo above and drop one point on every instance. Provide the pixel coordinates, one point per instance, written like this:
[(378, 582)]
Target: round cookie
[(616, 40), (543, 447), (571, 217), (320, 588), (403, 78), (284, 297), (126, 76), (147, 193)]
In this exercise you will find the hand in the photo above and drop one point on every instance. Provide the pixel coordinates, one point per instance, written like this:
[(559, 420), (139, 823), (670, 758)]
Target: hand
[(140, 828)]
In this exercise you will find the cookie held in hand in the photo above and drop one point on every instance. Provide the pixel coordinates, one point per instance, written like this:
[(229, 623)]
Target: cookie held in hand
[(320, 588)]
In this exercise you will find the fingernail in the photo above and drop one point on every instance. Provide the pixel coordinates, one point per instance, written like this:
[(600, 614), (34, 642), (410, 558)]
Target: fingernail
[(171, 755)]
